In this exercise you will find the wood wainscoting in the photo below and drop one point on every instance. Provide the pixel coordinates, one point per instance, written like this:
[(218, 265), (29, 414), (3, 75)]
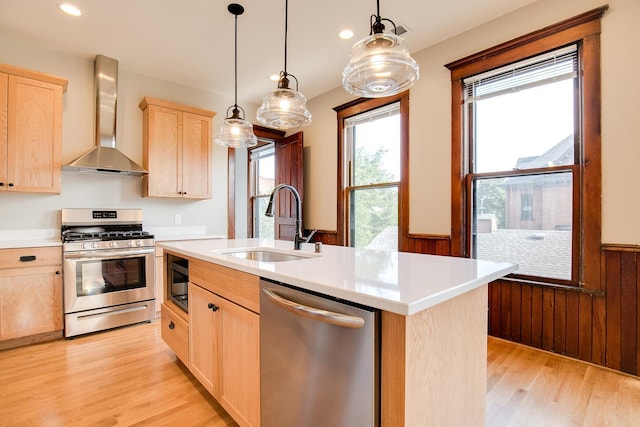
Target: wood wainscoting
[(600, 327)]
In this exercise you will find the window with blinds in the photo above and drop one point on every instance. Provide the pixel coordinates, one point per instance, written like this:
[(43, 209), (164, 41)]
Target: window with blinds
[(521, 124)]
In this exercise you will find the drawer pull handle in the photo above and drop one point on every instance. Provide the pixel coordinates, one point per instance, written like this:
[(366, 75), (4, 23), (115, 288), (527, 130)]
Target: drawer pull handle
[(172, 325), (27, 258)]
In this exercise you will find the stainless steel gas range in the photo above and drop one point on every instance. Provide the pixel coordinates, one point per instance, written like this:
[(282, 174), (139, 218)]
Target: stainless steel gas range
[(108, 269)]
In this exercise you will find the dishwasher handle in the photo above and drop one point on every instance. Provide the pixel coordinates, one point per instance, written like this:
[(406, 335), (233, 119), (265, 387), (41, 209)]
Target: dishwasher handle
[(325, 316)]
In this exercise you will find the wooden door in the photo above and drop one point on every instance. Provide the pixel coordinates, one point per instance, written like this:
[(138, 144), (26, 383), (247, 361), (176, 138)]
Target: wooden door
[(30, 301), (238, 381), (289, 170), (163, 144), (4, 83), (196, 156), (34, 132), (203, 332)]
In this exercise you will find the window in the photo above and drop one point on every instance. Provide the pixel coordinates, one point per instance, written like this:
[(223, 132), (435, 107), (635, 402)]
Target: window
[(526, 153), (519, 126), (262, 182), (372, 149)]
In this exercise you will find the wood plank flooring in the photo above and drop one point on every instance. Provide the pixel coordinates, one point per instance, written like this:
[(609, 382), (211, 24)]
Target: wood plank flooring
[(129, 377)]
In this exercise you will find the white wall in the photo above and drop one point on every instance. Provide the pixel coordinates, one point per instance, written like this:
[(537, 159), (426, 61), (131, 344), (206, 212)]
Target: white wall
[(430, 122), (33, 211)]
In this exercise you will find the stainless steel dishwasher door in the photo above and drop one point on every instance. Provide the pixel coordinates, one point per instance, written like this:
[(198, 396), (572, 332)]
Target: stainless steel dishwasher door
[(319, 363)]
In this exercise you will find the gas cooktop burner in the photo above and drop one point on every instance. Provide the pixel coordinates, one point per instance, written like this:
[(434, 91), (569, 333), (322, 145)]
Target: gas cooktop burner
[(75, 236), (94, 225)]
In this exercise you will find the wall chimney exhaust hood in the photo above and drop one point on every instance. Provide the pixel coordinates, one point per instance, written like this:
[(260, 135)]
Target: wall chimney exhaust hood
[(105, 158)]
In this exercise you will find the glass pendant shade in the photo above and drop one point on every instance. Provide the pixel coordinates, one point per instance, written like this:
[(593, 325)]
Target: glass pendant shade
[(235, 133), (380, 65), (284, 108)]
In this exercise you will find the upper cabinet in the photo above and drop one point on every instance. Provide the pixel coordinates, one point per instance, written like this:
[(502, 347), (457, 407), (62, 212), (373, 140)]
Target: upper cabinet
[(177, 150), (30, 130)]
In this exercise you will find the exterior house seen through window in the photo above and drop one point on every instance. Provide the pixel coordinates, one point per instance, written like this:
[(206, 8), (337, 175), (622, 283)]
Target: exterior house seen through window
[(520, 125)]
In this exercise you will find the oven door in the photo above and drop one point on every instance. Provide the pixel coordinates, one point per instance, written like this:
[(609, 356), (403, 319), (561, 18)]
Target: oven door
[(104, 278)]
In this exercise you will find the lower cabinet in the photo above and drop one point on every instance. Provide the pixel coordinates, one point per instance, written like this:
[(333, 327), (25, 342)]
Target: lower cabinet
[(30, 293), (175, 332), (224, 353)]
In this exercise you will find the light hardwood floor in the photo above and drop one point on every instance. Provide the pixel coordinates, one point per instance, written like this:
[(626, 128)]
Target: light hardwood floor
[(129, 377)]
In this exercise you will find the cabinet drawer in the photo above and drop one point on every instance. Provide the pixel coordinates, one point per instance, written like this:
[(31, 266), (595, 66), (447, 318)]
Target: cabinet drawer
[(30, 257), (236, 286), (175, 332)]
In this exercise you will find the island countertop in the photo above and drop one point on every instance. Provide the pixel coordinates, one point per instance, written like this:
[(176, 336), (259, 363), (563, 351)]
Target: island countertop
[(399, 282)]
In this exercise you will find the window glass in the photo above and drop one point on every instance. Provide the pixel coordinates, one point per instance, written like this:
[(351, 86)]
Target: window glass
[(262, 167), (372, 175), (525, 219), (521, 142)]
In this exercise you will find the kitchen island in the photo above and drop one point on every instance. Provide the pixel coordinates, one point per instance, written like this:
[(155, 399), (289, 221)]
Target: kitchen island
[(433, 317)]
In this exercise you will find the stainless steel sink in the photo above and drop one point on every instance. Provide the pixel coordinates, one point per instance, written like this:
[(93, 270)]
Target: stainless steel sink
[(265, 255)]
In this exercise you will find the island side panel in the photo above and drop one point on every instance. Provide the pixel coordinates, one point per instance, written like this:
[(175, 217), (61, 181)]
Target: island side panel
[(392, 367), (440, 356)]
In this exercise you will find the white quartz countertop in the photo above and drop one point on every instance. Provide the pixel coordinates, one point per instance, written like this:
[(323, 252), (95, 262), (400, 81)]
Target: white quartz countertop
[(29, 238), (399, 282)]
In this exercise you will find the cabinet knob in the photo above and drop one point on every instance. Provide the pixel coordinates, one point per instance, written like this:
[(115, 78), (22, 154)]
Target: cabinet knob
[(58, 272), (1, 184), (172, 325), (11, 184), (213, 307)]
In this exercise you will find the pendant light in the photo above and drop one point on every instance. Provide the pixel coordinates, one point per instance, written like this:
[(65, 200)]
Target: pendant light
[(284, 108), (380, 64), (235, 131)]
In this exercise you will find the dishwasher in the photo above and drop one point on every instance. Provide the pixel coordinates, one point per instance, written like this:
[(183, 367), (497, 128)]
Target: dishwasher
[(319, 360)]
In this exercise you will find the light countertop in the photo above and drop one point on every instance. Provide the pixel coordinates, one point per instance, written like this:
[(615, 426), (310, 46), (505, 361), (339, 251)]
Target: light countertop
[(29, 238), (399, 282)]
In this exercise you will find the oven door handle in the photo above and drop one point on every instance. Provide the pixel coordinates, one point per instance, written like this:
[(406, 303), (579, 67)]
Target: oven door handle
[(106, 254)]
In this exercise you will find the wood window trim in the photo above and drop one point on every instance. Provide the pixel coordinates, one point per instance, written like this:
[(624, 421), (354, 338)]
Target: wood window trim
[(583, 29), (362, 105)]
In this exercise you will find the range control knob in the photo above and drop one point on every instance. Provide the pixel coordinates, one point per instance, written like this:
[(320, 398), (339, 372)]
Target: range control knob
[(113, 244)]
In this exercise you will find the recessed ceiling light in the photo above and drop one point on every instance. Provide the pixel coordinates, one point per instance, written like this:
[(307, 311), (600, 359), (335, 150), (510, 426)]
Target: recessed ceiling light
[(345, 34), (70, 9)]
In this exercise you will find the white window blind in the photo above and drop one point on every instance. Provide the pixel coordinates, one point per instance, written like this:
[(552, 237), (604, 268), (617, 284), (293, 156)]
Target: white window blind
[(560, 64)]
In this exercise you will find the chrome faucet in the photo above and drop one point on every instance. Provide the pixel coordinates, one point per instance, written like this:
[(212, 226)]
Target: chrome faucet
[(298, 239)]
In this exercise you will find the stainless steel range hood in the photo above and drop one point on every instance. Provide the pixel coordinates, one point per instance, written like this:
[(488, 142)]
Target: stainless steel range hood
[(105, 158)]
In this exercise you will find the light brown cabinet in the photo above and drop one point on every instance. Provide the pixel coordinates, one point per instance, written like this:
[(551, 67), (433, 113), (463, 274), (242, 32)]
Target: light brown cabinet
[(30, 293), (175, 332), (176, 150), (30, 130), (223, 336), (224, 353)]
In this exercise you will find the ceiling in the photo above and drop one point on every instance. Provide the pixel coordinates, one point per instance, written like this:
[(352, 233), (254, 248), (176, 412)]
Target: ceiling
[(192, 42)]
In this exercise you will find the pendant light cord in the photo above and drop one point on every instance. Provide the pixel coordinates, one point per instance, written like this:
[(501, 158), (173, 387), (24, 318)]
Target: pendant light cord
[(286, 27), (236, 67)]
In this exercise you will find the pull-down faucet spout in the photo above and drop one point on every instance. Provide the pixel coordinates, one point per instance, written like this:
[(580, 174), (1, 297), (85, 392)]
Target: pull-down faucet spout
[(298, 238)]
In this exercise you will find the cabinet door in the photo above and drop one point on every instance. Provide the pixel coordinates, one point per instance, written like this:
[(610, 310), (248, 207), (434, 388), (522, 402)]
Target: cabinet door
[(163, 149), (203, 335), (4, 82), (237, 384), (30, 301), (196, 156), (34, 131)]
